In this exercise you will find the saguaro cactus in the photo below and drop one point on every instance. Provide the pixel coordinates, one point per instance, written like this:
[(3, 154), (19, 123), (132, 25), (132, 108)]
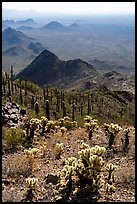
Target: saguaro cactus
[(37, 107), (89, 108), (21, 98), (44, 95), (73, 111), (47, 110), (64, 108), (32, 102), (9, 90), (11, 71)]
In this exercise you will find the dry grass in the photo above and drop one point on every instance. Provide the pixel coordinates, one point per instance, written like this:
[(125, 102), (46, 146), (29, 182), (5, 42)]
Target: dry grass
[(17, 166)]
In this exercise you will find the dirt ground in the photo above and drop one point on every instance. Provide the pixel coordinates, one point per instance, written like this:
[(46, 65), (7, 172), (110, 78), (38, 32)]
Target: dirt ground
[(16, 168)]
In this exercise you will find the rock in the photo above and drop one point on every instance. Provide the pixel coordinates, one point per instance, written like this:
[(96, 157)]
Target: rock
[(5, 118), (22, 111), (10, 123), (51, 178)]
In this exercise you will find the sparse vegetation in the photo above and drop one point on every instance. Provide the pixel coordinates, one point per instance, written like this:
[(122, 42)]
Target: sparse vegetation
[(44, 143)]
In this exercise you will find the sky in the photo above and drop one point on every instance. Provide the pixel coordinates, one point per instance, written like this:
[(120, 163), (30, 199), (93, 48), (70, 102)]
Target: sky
[(76, 8)]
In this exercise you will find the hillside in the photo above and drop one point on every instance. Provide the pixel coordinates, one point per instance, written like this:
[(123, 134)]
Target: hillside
[(26, 131), (77, 75), (48, 69)]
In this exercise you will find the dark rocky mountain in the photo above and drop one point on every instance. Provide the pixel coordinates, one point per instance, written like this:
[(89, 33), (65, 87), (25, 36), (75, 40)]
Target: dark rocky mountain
[(73, 75), (54, 25), (47, 68)]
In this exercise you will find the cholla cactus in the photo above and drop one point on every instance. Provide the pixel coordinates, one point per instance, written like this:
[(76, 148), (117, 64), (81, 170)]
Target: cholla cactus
[(43, 149), (86, 170), (31, 183), (50, 125), (111, 131), (74, 124), (31, 154), (91, 125), (59, 148), (110, 180), (63, 130), (44, 121), (126, 138)]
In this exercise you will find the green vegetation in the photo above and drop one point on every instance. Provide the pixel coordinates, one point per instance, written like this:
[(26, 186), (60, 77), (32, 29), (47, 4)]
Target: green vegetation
[(101, 103)]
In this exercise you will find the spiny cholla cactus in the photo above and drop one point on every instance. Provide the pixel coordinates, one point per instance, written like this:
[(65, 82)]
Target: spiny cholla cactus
[(66, 122), (63, 130), (59, 148), (110, 180), (31, 183), (91, 125), (126, 138), (44, 121), (111, 131), (33, 125), (85, 171), (31, 154), (50, 125)]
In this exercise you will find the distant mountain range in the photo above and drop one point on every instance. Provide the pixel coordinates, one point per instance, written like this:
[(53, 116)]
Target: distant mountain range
[(48, 70), (15, 24), (56, 26), (18, 49)]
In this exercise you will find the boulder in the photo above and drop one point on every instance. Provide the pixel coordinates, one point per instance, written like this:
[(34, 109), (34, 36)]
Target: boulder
[(51, 178)]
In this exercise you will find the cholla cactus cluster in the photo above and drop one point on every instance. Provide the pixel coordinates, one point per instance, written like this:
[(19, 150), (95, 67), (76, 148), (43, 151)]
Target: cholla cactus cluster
[(87, 170), (67, 123), (59, 148), (35, 123), (91, 125), (111, 131), (31, 183), (31, 152)]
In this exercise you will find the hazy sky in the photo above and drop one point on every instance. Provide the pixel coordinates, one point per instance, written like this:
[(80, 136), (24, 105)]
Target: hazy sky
[(74, 7)]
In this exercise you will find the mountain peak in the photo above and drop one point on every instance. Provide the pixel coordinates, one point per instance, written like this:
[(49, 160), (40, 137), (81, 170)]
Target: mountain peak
[(54, 25), (48, 69)]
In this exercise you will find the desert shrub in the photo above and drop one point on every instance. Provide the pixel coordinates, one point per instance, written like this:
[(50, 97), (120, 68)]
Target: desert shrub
[(16, 165), (13, 137)]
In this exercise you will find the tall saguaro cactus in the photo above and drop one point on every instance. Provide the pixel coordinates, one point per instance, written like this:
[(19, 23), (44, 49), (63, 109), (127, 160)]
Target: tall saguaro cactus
[(21, 97), (47, 110), (73, 111), (11, 74), (64, 109), (89, 108), (9, 90)]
